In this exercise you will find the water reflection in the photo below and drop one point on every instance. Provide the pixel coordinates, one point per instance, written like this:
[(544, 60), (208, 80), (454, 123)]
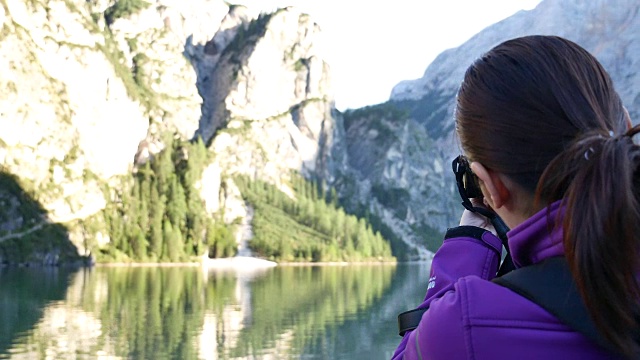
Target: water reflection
[(22, 301), (343, 312)]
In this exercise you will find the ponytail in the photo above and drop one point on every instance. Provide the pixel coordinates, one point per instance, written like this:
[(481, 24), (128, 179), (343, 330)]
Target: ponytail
[(598, 180)]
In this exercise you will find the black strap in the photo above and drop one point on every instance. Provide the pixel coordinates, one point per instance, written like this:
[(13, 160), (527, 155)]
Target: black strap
[(507, 265), (550, 285), (409, 320)]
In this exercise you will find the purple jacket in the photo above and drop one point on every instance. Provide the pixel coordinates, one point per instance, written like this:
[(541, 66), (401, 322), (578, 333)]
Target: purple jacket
[(470, 317)]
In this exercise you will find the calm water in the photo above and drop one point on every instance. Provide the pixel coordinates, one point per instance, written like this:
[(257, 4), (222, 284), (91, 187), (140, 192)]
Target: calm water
[(341, 312)]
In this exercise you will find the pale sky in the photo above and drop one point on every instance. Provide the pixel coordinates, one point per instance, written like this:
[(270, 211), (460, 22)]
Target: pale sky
[(373, 45)]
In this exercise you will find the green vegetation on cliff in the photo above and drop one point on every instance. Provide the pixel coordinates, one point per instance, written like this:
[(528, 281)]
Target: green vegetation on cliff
[(124, 8), (430, 111), (310, 228), (245, 38), (377, 115), (247, 35)]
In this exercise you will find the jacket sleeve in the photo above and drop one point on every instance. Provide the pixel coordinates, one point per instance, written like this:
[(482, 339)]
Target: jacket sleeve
[(466, 250)]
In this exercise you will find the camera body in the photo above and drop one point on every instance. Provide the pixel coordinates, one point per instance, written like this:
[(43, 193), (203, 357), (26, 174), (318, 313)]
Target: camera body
[(467, 181)]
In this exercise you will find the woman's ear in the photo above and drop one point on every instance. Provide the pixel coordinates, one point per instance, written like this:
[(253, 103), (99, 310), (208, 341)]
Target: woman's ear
[(493, 188)]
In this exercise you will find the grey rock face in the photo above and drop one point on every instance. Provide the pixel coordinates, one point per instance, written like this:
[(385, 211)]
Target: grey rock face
[(390, 174), (608, 29)]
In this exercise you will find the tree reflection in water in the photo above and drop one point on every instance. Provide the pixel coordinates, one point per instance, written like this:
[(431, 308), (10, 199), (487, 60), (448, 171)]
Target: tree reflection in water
[(188, 313)]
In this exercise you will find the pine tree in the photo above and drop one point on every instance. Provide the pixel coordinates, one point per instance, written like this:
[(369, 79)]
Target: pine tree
[(177, 204), (333, 197), (172, 242), (175, 246), (210, 239), (138, 244), (115, 226), (363, 243), (196, 225), (195, 164), (196, 219), (163, 169), (157, 208), (167, 237), (143, 217)]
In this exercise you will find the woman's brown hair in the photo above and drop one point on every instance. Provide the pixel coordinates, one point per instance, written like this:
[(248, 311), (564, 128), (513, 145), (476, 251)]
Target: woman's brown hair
[(544, 112)]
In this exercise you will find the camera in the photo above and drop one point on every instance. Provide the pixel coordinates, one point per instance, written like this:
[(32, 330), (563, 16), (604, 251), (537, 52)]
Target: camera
[(467, 181)]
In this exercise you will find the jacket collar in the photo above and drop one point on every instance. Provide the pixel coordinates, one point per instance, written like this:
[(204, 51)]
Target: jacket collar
[(538, 237)]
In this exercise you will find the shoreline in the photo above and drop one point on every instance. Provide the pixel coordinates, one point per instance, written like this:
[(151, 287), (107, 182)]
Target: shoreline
[(215, 263), (221, 260), (144, 264)]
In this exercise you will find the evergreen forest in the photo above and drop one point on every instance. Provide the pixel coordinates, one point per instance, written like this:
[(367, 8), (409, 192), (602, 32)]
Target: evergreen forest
[(309, 227), (162, 218)]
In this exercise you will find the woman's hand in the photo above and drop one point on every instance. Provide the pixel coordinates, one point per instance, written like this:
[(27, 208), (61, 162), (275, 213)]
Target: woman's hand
[(470, 218)]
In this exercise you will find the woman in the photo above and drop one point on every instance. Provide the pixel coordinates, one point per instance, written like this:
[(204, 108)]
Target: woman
[(551, 144)]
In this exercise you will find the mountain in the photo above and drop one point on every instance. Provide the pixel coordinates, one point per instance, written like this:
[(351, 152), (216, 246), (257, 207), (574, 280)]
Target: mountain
[(400, 151), (129, 128), (102, 121), (607, 29)]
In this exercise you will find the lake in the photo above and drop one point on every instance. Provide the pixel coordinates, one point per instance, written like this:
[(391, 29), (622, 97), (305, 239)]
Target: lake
[(286, 312)]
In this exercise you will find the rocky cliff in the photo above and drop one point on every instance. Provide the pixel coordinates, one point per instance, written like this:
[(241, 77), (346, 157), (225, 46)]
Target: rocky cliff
[(270, 104), (92, 88), (87, 85)]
